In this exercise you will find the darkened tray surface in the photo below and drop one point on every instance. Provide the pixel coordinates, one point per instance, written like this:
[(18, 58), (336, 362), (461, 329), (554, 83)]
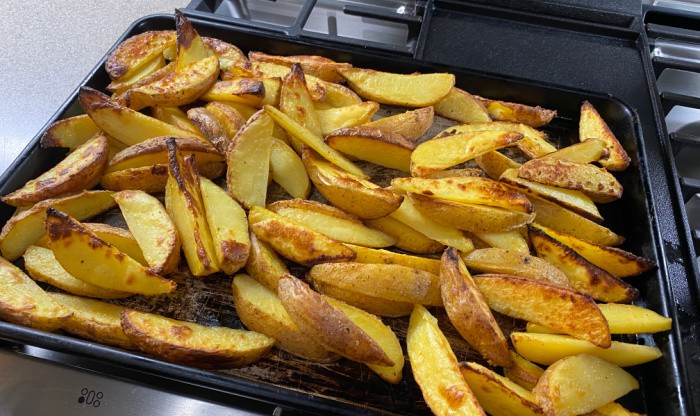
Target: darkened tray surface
[(350, 388)]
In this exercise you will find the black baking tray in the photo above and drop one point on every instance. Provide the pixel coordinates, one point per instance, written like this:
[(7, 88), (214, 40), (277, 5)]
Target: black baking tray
[(649, 214)]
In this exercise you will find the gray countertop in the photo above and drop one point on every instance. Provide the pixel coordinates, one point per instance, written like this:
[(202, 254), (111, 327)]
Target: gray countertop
[(49, 47)]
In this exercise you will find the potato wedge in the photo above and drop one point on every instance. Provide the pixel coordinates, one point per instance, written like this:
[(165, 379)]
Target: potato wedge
[(80, 170), (261, 310), (372, 304), (154, 151), (192, 344), (152, 179), (318, 66), (456, 173), (135, 52), (332, 119), (533, 144), (264, 264), (348, 192), (288, 171), (498, 260), (230, 118), (148, 72), (407, 238), (460, 106), (231, 58), (587, 151), (378, 256), (441, 153), (583, 275), (296, 103), (373, 145), (26, 227), (469, 312), (94, 320), (596, 183), (546, 304), (546, 349), (176, 117), (523, 372), (613, 409), (518, 113), (247, 91), (190, 46), (497, 394), (331, 221), (495, 163), (592, 125), (228, 225), (580, 384), (414, 90), (328, 325), (435, 367), (411, 124), (294, 241), (69, 132), (507, 240), (210, 127), (23, 302), (316, 86)]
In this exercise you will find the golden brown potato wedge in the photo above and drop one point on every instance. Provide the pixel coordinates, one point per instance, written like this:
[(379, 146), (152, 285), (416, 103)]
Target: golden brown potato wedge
[(70, 132), (410, 124), (613, 409), (121, 85), (583, 275), (295, 241), (371, 304), (154, 151), (523, 372), (592, 125), (456, 173), (23, 302), (495, 163), (507, 240), (93, 320), (230, 57), (587, 151), (316, 86), (190, 46), (264, 264), (288, 171), (518, 113), (378, 256), (137, 51), (580, 384), (435, 367), (318, 66), (80, 170), (210, 127), (371, 144), (332, 119), (261, 310), (192, 344), (596, 183), (469, 312), (26, 227), (152, 179), (296, 103), (230, 118), (407, 238), (414, 90), (328, 325), (533, 144), (498, 260), (460, 106), (176, 117), (247, 91)]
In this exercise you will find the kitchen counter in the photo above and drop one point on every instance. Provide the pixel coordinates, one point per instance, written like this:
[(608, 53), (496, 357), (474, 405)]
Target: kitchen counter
[(49, 48)]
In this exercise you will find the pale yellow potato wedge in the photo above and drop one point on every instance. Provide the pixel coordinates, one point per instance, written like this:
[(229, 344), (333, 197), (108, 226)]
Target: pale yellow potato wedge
[(523, 372), (414, 90), (230, 118), (348, 192), (336, 95), (152, 228), (41, 264), (546, 304), (93, 320), (507, 240), (261, 310), (495, 163), (296, 103), (123, 84), (518, 113), (152, 179), (193, 344), (587, 151), (248, 161), (69, 132), (435, 367), (183, 202), (460, 106), (496, 394), (407, 238), (592, 125), (615, 261), (264, 264), (373, 145), (501, 261), (248, 91), (546, 349), (331, 221), (583, 275), (318, 66), (137, 51), (328, 325), (23, 302), (441, 153), (469, 312), (533, 144), (176, 117), (378, 256), (372, 304), (580, 384), (26, 227), (228, 225), (80, 170), (288, 171), (332, 119), (190, 46), (295, 241), (154, 151), (411, 124), (210, 127), (83, 255)]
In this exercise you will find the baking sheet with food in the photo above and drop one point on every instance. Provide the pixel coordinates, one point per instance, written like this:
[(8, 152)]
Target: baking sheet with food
[(487, 178)]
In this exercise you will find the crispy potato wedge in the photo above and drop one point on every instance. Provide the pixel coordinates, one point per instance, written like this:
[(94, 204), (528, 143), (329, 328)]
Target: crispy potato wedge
[(154, 151), (507, 240), (332, 119), (94, 320), (497, 394), (518, 113), (331, 221), (596, 183), (211, 128), (121, 238), (23, 302), (348, 192), (122, 93), (411, 124), (86, 257), (328, 325), (546, 349), (192, 344), (183, 202), (460, 106), (26, 227), (498, 260), (587, 151), (495, 163), (469, 312), (247, 91), (228, 225), (373, 145), (230, 118), (592, 125), (456, 173), (121, 85), (546, 304), (378, 256), (613, 260), (80, 170), (296, 103), (435, 367), (41, 264), (441, 153), (407, 238), (372, 304), (414, 90), (152, 179), (580, 384), (261, 310), (533, 144), (176, 117), (288, 171), (295, 241), (69, 132), (137, 51), (264, 264), (316, 86), (248, 161), (318, 66), (231, 58), (583, 275), (523, 372), (190, 46)]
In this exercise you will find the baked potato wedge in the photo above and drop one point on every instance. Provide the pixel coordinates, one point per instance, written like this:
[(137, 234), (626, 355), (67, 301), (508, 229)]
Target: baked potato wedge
[(137, 51), (154, 151), (247, 91), (69, 132), (372, 304), (148, 71), (391, 150), (411, 124), (264, 264), (316, 86), (332, 119), (523, 372), (407, 238), (518, 112), (152, 179), (176, 117), (318, 66), (495, 163), (210, 127), (230, 118), (288, 171), (586, 151), (533, 144), (592, 125), (462, 107), (190, 46), (379, 256), (501, 261), (508, 240), (231, 58), (296, 103)]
